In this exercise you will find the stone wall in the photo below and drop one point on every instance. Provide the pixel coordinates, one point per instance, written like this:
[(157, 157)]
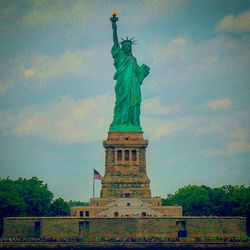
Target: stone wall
[(173, 211), (150, 227), (153, 201), (60, 227), (215, 226), (21, 227)]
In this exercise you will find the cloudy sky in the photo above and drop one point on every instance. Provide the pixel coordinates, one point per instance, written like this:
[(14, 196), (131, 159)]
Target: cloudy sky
[(57, 92)]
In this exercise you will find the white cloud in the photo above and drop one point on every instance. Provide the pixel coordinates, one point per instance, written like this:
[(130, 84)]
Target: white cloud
[(32, 123), (153, 106), (154, 122), (238, 147), (238, 133), (50, 12), (154, 8), (38, 70), (183, 61), (3, 88), (237, 24), (210, 60), (158, 128), (67, 120), (212, 127), (176, 48), (74, 63), (231, 148), (214, 152), (64, 121), (219, 104), (150, 9), (7, 12), (29, 72)]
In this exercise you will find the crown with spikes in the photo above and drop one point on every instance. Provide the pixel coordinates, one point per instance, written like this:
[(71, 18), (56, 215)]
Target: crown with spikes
[(127, 40)]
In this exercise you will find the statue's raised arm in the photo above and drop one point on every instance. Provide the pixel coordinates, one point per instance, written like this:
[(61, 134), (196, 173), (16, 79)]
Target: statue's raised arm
[(113, 20)]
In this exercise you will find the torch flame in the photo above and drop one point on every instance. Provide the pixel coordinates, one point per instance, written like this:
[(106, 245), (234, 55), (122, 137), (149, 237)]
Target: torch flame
[(114, 13)]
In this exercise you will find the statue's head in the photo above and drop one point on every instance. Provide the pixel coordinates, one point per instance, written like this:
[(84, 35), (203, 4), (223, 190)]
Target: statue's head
[(127, 45)]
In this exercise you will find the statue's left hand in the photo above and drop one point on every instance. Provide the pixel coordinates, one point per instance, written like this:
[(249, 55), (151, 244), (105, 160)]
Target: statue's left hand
[(145, 69)]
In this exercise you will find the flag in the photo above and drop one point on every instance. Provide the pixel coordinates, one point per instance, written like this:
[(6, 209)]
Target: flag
[(97, 175)]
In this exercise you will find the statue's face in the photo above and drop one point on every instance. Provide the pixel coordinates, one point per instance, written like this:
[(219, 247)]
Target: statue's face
[(127, 47)]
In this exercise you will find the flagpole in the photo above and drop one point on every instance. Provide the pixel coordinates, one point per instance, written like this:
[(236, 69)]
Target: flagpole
[(93, 183)]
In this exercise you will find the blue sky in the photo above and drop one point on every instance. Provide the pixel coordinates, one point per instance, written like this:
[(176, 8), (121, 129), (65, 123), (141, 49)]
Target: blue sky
[(57, 92)]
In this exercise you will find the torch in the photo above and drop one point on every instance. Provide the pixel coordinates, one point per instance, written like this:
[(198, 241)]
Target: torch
[(114, 17)]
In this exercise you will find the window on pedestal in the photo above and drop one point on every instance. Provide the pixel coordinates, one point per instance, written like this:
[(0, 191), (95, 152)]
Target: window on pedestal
[(112, 154), (119, 155), (134, 155), (126, 155)]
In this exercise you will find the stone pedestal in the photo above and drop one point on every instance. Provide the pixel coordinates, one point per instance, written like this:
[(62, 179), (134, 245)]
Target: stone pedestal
[(125, 166)]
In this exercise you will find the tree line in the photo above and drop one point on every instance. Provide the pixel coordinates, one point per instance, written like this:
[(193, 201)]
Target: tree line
[(220, 201), (31, 197)]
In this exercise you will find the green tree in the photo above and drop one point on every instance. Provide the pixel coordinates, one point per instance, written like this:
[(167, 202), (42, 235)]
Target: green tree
[(220, 201), (194, 199), (11, 202), (37, 196), (24, 197), (59, 207), (77, 203)]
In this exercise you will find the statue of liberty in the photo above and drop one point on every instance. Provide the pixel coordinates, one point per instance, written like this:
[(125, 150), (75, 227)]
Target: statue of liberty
[(129, 76)]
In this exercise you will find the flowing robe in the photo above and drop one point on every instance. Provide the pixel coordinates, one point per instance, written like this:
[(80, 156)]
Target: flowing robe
[(129, 76)]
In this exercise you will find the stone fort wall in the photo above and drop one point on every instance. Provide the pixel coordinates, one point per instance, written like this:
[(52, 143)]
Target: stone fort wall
[(60, 227)]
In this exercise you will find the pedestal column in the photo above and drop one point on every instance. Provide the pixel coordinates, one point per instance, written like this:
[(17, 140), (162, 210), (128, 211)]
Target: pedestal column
[(126, 177)]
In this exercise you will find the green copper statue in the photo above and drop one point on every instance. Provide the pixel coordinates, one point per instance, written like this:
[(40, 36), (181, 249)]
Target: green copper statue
[(129, 76)]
